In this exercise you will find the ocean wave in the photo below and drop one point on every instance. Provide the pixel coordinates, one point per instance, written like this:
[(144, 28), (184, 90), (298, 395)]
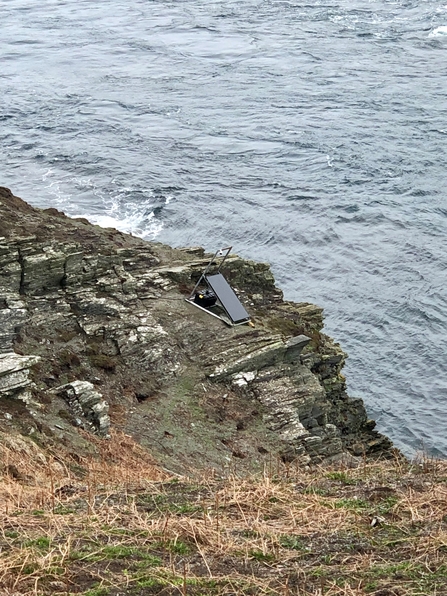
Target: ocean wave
[(438, 31)]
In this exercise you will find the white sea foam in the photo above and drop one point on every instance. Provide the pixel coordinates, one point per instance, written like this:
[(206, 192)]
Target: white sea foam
[(131, 219), (148, 227), (438, 31)]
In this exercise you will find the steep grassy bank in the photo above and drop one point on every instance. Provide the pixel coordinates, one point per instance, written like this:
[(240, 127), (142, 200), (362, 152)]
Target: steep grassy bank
[(121, 525)]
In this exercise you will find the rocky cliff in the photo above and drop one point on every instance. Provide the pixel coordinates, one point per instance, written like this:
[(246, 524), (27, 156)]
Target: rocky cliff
[(95, 333)]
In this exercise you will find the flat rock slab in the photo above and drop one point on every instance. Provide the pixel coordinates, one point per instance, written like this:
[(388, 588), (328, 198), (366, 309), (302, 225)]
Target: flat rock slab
[(11, 362), (14, 370)]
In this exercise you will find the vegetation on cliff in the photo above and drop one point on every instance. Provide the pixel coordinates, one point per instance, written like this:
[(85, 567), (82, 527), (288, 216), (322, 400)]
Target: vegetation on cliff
[(120, 525)]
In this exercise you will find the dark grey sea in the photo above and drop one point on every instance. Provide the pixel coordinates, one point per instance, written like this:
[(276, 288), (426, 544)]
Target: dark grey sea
[(311, 135)]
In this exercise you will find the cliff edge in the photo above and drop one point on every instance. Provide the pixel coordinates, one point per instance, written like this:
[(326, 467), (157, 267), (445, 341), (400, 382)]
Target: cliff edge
[(95, 334)]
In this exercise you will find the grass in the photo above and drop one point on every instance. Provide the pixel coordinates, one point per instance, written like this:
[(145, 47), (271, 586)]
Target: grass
[(125, 526), (292, 542), (341, 476)]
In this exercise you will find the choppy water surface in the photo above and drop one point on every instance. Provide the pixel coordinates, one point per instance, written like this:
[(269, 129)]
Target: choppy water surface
[(308, 134)]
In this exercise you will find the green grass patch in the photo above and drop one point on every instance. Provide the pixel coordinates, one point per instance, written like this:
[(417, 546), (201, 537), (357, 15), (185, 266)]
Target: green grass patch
[(320, 572), (387, 504), (388, 570), (55, 570), (371, 587), (292, 542), (353, 504), (341, 477), (147, 582), (425, 579), (42, 543), (260, 556), (178, 547)]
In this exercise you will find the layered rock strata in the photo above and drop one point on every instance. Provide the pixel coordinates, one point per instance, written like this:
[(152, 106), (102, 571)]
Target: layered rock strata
[(100, 321), (14, 375)]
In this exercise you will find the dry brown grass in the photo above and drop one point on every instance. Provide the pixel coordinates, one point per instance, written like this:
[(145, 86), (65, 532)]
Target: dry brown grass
[(125, 527), (34, 478)]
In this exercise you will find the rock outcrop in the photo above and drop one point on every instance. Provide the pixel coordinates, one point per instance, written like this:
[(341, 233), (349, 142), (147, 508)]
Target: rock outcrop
[(98, 320), (14, 375), (90, 409)]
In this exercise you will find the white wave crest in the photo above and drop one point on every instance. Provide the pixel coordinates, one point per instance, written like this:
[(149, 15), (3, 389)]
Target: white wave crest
[(130, 224), (438, 31)]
